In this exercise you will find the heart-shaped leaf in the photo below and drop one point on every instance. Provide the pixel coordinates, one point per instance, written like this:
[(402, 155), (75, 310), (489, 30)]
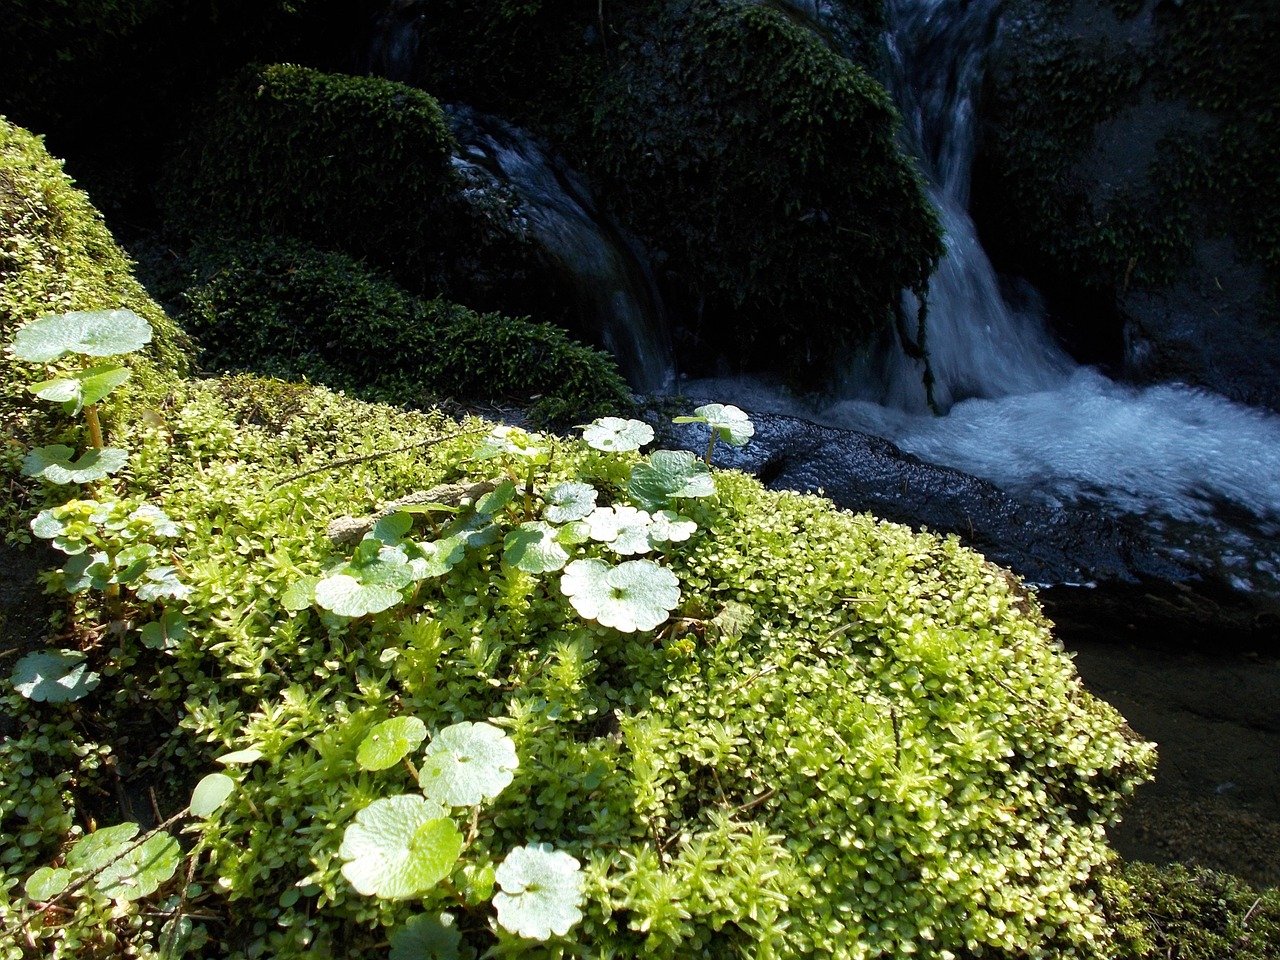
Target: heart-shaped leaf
[(47, 882), (666, 475), (467, 763), (389, 742), (399, 847), (636, 595), (165, 633), (568, 501), (94, 333), (615, 435), (54, 676), (535, 547), (54, 463), (541, 892), (391, 528)]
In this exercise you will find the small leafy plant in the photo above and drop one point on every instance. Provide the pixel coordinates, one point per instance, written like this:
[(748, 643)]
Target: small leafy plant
[(727, 423)]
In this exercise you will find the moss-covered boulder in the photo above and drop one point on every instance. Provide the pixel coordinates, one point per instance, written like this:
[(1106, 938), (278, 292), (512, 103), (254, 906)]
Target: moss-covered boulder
[(358, 164), (290, 311), (763, 165), (1128, 167)]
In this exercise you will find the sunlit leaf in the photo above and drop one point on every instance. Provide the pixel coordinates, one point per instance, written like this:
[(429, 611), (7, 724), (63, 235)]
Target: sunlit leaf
[(211, 793), (236, 757), (666, 475), (54, 463), (161, 583), (535, 547), (47, 882), (466, 763), (140, 871), (670, 527), (300, 594), (399, 847), (728, 423), (541, 892), (504, 441), (435, 558), (616, 435), (568, 501), (391, 528), (95, 333), (389, 742), (497, 498), (54, 676), (624, 529), (636, 595), (95, 850)]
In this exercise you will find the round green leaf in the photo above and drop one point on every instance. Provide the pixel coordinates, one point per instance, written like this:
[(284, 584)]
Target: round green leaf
[(624, 529), (425, 937), (615, 435), (300, 594), (467, 763), (504, 441), (210, 794), (348, 597), (541, 892), (435, 558), (46, 883), (729, 423), (569, 501), (54, 463), (399, 847), (165, 633), (668, 474), (141, 870), (671, 527), (95, 333), (54, 676), (636, 595), (95, 850), (534, 547), (389, 742)]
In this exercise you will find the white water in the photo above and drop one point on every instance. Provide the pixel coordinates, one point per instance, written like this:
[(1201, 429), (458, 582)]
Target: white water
[(1201, 472)]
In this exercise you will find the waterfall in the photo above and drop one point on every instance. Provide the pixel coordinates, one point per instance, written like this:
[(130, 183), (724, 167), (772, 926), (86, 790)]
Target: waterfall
[(979, 345)]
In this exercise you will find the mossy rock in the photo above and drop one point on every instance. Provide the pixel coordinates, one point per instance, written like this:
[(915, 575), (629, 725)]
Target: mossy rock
[(357, 164), (764, 165), (290, 311)]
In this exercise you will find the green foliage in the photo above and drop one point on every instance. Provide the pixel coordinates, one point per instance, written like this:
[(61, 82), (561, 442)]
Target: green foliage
[(358, 164), (728, 127), (289, 311), (54, 676), (1193, 914)]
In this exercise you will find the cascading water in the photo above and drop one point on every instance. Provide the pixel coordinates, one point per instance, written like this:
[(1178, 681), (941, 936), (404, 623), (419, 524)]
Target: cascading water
[(1201, 473), (617, 295)]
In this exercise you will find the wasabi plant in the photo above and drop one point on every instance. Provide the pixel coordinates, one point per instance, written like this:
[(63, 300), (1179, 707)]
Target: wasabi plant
[(407, 846), (727, 423)]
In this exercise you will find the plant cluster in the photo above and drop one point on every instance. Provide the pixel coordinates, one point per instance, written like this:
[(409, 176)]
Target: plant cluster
[(287, 310)]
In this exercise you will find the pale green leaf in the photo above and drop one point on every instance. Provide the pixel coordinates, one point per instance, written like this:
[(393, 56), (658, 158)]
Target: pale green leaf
[(54, 676), (141, 870), (541, 893), (389, 742), (671, 527), (161, 583), (54, 463), (391, 528), (211, 793), (534, 547), (504, 441), (666, 475), (571, 500), (348, 597), (300, 594), (623, 529), (616, 435), (729, 423), (237, 757), (435, 558), (399, 847), (46, 883), (95, 333), (636, 595), (466, 763), (95, 850)]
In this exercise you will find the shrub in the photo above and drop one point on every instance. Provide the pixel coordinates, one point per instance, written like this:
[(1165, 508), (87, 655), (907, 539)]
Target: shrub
[(352, 163), (289, 311), (765, 165)]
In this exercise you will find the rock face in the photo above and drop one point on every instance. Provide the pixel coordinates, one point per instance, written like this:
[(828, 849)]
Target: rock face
[(1127, 166), (1097, 578)]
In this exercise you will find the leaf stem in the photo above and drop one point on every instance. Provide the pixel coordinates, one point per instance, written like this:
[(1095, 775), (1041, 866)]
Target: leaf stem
[(95, 426)]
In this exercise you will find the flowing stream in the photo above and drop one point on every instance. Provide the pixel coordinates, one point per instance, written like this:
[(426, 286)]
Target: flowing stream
[(1201, 473)]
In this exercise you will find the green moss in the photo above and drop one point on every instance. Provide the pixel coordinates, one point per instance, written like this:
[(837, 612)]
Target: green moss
[(357, 164), (764, 165), (1192, 914), (293, 312)]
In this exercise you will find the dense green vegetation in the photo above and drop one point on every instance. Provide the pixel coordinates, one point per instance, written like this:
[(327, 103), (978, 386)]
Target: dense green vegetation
[(289, 311), (801, 751)]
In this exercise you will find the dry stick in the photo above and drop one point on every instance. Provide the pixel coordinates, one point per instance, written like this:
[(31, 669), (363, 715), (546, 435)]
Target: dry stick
[(351, 461)]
